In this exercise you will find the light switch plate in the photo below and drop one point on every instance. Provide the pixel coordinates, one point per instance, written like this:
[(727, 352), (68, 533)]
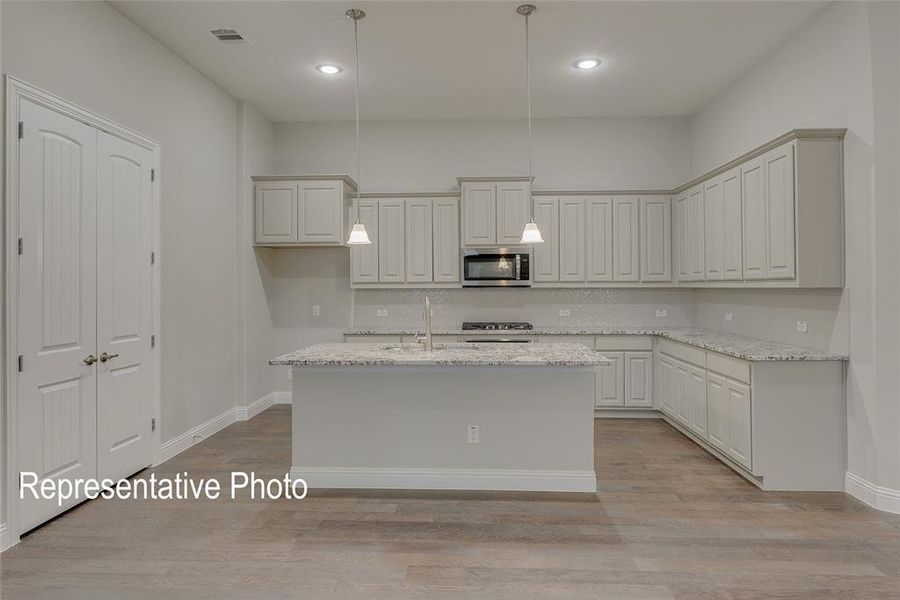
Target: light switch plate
[(662, 313), (729, 316), (317, 310), (565, 312), (802, 327), (381, 312)]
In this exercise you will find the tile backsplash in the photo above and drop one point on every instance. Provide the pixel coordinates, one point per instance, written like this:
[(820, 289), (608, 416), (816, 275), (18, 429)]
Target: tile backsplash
[(599, 306)]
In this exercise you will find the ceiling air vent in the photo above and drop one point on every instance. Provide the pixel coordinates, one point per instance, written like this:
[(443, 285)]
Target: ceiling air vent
[(228, 36)]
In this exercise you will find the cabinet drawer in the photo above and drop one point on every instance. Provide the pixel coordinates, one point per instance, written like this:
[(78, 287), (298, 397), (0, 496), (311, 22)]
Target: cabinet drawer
[(689, 354), (729, 367), (624, 342)]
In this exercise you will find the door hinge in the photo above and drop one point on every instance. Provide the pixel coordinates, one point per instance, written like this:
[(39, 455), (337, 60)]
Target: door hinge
[(153, 341), (21, 363), (21, 129), (153, 258), (152, 174), (153, 424), (20, 246)]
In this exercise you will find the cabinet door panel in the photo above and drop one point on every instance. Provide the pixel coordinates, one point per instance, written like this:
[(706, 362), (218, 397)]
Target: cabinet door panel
[(364, 258), (638, 379), (320, 207), (513, 199), (418, 241), (714, 230), (698, 266), (656, 239), (697, 401), (571, 239), (599, 238), (479, 214), (732, 218), (753, 190), (626, 240), (546, 255), (276, 212), (681, 398), (739, 446), (665, 385), (391, 251), (611, 381), (446, 239), (682, 238), (717, 411), (779, 165)]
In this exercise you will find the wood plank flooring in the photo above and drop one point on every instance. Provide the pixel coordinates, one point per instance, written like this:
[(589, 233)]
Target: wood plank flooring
[(669, 522)]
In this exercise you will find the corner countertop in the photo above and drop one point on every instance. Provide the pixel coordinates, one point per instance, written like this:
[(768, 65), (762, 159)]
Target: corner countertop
[(739, 346), (450, 355)]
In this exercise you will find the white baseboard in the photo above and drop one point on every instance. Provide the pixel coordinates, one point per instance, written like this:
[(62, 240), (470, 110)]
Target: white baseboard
[(180, 443), (627, 413), (882, 498), (448, 479)]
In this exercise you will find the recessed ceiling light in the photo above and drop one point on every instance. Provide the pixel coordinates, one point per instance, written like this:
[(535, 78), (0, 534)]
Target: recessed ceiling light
[(329, 69), (587, 63)]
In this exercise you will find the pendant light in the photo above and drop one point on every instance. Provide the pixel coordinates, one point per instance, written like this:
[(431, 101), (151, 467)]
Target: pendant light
[(531, 234), (358, 235)]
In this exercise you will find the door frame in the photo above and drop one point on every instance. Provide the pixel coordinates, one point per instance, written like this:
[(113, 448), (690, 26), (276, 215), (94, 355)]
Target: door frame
[(16, 91)]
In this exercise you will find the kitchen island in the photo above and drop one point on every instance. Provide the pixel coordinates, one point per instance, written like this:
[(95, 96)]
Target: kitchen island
[(460, 416)]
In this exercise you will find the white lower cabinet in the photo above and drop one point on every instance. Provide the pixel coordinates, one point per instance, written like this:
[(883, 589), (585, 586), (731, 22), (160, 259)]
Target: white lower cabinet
[(665, 384), (717, 411), (611, 381), (695, 399), (638, 379), (729, 417)]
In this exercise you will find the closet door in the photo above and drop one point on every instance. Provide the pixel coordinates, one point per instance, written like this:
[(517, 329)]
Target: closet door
[(124, 213), (56, 389)]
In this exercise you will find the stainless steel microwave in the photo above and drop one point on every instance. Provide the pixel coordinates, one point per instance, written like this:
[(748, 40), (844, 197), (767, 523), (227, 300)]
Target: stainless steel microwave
[(496, 267)]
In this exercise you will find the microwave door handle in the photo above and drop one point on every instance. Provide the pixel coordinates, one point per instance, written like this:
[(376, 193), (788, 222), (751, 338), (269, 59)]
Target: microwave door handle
[(518, 267)]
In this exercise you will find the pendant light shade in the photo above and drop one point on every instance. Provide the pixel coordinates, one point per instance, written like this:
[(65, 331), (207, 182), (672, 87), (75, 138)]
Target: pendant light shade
[(531, 234), (358, 235)]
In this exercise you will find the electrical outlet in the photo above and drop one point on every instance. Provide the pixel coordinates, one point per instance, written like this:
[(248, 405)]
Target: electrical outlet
[(802, 327), (474, 435), (290, 374), (317, 310), (565, 312), (381, 312), (662, 313), (729, 316)]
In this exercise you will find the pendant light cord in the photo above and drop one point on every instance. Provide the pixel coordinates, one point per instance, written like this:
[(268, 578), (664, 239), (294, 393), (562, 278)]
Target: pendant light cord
[(528, 94), (356, 49)]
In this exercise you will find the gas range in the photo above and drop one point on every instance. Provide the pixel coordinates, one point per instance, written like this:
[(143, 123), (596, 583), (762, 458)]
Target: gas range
[(496, 326)]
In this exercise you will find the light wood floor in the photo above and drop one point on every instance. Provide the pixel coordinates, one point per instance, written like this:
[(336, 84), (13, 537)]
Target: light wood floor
[(669, 522)]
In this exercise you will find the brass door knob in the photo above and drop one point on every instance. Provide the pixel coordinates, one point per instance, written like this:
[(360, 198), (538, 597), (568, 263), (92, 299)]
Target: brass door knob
[(90, 359), (105, 357)]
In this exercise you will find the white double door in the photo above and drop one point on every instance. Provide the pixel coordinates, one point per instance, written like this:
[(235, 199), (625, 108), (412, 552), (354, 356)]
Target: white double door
[(84, 305)]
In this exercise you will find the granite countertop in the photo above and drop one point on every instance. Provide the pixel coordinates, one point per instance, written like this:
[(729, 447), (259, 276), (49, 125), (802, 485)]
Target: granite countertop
[(739, 346), (451, 355)]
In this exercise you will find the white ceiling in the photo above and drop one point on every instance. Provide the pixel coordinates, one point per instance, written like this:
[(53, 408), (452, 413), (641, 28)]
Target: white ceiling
[(440, 60)]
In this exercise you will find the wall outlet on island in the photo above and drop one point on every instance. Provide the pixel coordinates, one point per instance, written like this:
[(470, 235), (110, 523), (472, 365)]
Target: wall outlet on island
[(802, 327), (381, 312), (662, 313), (729, 316), (565, 312), (473, 435), (317, 310)]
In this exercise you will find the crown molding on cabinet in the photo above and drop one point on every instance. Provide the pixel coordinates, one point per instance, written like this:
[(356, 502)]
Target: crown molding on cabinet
[(601, 193), (793, 134), (410, 195), (460, 180), (345, 178)]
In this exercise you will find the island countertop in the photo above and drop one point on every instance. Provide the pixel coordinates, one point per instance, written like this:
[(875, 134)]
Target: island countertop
[(451, 355)]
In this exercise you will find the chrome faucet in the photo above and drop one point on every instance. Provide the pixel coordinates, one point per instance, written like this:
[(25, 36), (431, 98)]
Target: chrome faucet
[(427, 337)]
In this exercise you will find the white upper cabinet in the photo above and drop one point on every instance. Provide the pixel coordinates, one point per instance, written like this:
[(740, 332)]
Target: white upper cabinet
[(479, 213), (445, 226), (418, 241), (513, 199), (302, 210), (714, 228), (696, 233), (391, 246), (779, 174), (753, 189), (732, 262), (364, 258), (682, 238), (599, 238), (571, 239), (276, 212), (494, 212), (626, 241), (546, 255), (656, 239)]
